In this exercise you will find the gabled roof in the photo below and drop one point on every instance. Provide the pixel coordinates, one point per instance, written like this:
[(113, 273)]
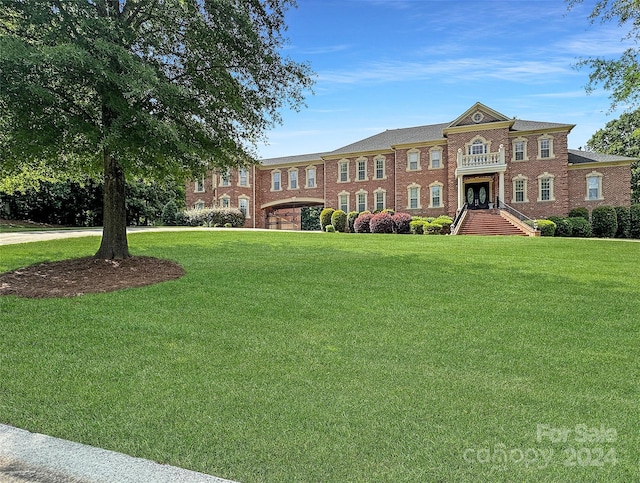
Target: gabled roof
[(485, 111), (387, 140), (583, 157)]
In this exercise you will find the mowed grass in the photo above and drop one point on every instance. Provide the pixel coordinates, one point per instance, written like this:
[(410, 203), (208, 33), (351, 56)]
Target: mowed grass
[(318, 357)]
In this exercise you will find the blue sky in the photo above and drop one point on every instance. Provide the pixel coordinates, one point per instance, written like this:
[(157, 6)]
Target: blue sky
[(387, 64)]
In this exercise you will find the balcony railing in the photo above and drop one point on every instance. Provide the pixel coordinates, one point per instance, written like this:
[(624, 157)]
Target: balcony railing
[(481, 160)]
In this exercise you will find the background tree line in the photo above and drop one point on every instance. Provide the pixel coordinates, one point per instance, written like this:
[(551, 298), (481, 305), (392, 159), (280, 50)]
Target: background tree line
[(80, 202)]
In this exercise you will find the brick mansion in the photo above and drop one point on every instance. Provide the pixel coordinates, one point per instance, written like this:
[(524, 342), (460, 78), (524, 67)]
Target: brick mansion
[(480, 160)]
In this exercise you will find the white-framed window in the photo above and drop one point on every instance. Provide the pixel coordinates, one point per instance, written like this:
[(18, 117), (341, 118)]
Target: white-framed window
[(594, 186), (435, 158), (199, 205), (380, 199), (199, 186), (520, 189), (311, 177), (225, 201), (276, 180), (361, 172), (413, 197), (478, 146), (293, 179), (380, 167), (545, 147), (243, 205), (435, 190), (545, 187), (225, 178), (361, 201), (413, 160), (343, 201), (243, 177), (519, 149), (343, 171)]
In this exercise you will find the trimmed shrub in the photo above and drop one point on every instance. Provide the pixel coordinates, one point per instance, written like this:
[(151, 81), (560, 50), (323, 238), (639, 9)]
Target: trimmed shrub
[(214, 217), (580, 212), (170, 214), (624, 221), (416, 227), (389, 210), (446, 222), (604, 221), (325, 217), (634, 229), (401, 223), (381, 223), (432, 228), (563, 226), (361, 225), (339, 220), (580, 227), (351, 218), (546, 227), (329, 229)]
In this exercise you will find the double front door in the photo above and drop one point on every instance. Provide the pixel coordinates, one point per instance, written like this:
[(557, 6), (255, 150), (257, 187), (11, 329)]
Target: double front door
[(477, 196)]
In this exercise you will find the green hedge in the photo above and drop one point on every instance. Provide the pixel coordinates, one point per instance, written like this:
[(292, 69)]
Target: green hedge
[(604, 222), (580, 227), (634, 215), (214, 217), (546, 227), (325, 217), (580, 212), (351, 218), (624, 221), (339, 220), (416, 227)]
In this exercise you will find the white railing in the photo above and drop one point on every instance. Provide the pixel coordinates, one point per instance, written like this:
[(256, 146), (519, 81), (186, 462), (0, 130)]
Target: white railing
[(477, 160)]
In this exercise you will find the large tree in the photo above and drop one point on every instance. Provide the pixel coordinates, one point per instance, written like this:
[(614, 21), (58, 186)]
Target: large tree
[(146, 88), (620, 75), (622, 137)]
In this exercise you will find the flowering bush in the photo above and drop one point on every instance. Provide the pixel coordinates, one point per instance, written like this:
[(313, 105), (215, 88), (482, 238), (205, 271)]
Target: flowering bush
[(361, 225), (401, 222), (381, 223)]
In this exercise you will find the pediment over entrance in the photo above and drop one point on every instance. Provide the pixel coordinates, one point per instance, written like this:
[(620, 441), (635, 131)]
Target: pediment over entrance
[(478, 114)]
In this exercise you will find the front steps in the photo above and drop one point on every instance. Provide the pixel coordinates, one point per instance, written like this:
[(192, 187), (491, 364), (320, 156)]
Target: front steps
[(488, 222)]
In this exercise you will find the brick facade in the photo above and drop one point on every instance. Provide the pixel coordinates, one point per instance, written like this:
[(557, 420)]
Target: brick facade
[(482, 157)]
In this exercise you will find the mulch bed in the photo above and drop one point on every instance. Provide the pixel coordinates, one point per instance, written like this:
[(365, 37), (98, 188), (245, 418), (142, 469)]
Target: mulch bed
[(79, 276)]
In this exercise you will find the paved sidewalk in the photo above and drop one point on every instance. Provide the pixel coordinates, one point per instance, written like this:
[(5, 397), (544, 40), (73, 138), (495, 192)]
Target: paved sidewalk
[(31, 457)]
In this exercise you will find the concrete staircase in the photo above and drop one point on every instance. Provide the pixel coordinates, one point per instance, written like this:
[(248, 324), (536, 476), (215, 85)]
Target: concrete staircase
[(488, 222)]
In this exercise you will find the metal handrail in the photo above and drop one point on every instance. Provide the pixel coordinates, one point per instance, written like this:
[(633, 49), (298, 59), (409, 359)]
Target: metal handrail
[(520, 216), (454, 225)]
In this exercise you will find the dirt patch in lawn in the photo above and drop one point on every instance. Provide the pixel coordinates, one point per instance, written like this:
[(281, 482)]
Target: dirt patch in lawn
[(79, 276)]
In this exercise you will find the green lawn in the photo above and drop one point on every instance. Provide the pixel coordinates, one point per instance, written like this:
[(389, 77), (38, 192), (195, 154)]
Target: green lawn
[(318, 357)]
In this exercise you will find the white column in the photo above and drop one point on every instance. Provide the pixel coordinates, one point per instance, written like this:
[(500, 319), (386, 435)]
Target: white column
[(501, 188), (460, 193)]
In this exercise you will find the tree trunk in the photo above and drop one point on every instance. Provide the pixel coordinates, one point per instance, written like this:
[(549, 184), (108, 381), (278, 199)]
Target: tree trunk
[(114, 234)]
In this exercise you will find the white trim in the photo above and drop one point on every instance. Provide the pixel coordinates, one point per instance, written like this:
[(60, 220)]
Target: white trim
[(525, 181), (551, 179)]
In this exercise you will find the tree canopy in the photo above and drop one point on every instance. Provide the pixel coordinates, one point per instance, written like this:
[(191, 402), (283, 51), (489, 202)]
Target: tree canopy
[(621, 75), (146, 88), (622, 137)]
